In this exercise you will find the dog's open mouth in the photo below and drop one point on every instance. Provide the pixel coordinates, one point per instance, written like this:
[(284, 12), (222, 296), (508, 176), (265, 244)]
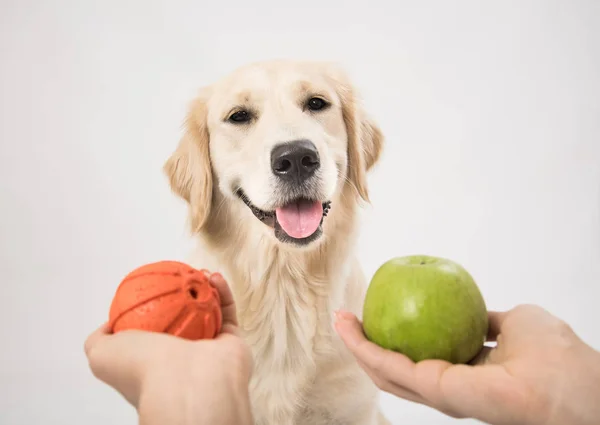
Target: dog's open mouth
[(298, 221)]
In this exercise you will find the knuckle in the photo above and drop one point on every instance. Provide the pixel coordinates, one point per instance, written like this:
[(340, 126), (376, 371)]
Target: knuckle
[(526, 312), (382, 363), (563, 329), (94, 362), (238, 352), (384, 385), (378, 365), (376, 379), (523, 308)]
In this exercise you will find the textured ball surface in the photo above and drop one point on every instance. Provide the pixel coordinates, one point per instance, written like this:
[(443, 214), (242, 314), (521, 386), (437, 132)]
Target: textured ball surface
[(167, 297)]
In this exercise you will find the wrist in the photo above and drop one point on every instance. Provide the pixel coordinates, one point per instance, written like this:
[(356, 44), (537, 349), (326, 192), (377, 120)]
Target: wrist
[(580, 400), (225, 390), (243, 411), (226, 402)]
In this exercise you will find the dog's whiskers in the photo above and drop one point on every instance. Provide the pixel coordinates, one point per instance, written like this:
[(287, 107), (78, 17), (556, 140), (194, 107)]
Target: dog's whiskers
[(347, 180), (326, 208)]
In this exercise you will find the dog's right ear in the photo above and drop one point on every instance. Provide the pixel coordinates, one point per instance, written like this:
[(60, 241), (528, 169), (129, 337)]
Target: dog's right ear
[(189, 168)]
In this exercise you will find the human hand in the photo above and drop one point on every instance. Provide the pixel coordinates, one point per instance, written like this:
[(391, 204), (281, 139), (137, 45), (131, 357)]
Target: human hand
[(539, 373), (177, 381)]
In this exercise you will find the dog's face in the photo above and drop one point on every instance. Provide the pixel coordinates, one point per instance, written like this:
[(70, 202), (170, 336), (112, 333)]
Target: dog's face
[(281, 137)]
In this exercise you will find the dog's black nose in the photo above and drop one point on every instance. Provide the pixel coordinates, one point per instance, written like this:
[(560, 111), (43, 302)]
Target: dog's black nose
[(295, 161)]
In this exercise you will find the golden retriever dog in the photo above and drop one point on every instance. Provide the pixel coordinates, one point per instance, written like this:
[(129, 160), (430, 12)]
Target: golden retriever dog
[(273, 164)]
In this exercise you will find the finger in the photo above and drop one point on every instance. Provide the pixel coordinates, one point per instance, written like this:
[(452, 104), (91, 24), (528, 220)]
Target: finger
[(405, 394), (495, 319), (428, 375), (95, 337), (227, 301), (483, 357), (393, 367), (227, 329), (390, 387)]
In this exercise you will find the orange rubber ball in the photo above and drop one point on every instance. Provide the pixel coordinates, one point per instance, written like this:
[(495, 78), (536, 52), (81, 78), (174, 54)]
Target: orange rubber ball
[(168, 297)]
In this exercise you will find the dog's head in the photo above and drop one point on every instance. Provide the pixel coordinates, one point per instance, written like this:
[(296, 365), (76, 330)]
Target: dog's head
[(281, 140)]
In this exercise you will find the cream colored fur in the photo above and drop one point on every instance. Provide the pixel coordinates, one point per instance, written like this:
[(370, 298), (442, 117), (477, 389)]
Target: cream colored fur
[(286, 295)]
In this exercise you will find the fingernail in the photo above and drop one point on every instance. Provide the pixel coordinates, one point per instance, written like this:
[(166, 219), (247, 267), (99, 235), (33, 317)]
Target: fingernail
[(216, 276), (343, 315), (345, 331)]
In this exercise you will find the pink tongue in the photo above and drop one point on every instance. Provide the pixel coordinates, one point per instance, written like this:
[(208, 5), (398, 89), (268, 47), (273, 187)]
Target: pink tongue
[(300, 219)]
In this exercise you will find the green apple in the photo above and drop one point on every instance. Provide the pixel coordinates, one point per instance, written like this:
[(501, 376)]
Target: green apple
[(425, 308)]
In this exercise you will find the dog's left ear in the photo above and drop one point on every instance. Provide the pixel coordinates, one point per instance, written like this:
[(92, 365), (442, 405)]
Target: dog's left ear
[(365, 139), (371, 137), (189, 168)]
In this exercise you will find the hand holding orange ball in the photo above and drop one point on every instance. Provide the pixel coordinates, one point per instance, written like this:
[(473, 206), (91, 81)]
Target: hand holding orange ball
[(174, 379)]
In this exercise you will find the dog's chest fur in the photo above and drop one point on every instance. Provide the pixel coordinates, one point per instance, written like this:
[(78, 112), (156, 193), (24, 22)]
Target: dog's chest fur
[(287, 320), (303, 375)]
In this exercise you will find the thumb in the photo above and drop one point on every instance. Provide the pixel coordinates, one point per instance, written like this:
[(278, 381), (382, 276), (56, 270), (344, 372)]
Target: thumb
[(228, 309), (349, 329)]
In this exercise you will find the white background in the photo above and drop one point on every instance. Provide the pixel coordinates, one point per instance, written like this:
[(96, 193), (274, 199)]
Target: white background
[(491, 112)]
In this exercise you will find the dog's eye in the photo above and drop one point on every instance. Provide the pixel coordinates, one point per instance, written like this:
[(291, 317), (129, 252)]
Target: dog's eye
[(316, 104), (240, 117)]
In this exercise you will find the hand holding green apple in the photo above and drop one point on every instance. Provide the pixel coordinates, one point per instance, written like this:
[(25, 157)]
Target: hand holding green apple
[(424, 318)]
